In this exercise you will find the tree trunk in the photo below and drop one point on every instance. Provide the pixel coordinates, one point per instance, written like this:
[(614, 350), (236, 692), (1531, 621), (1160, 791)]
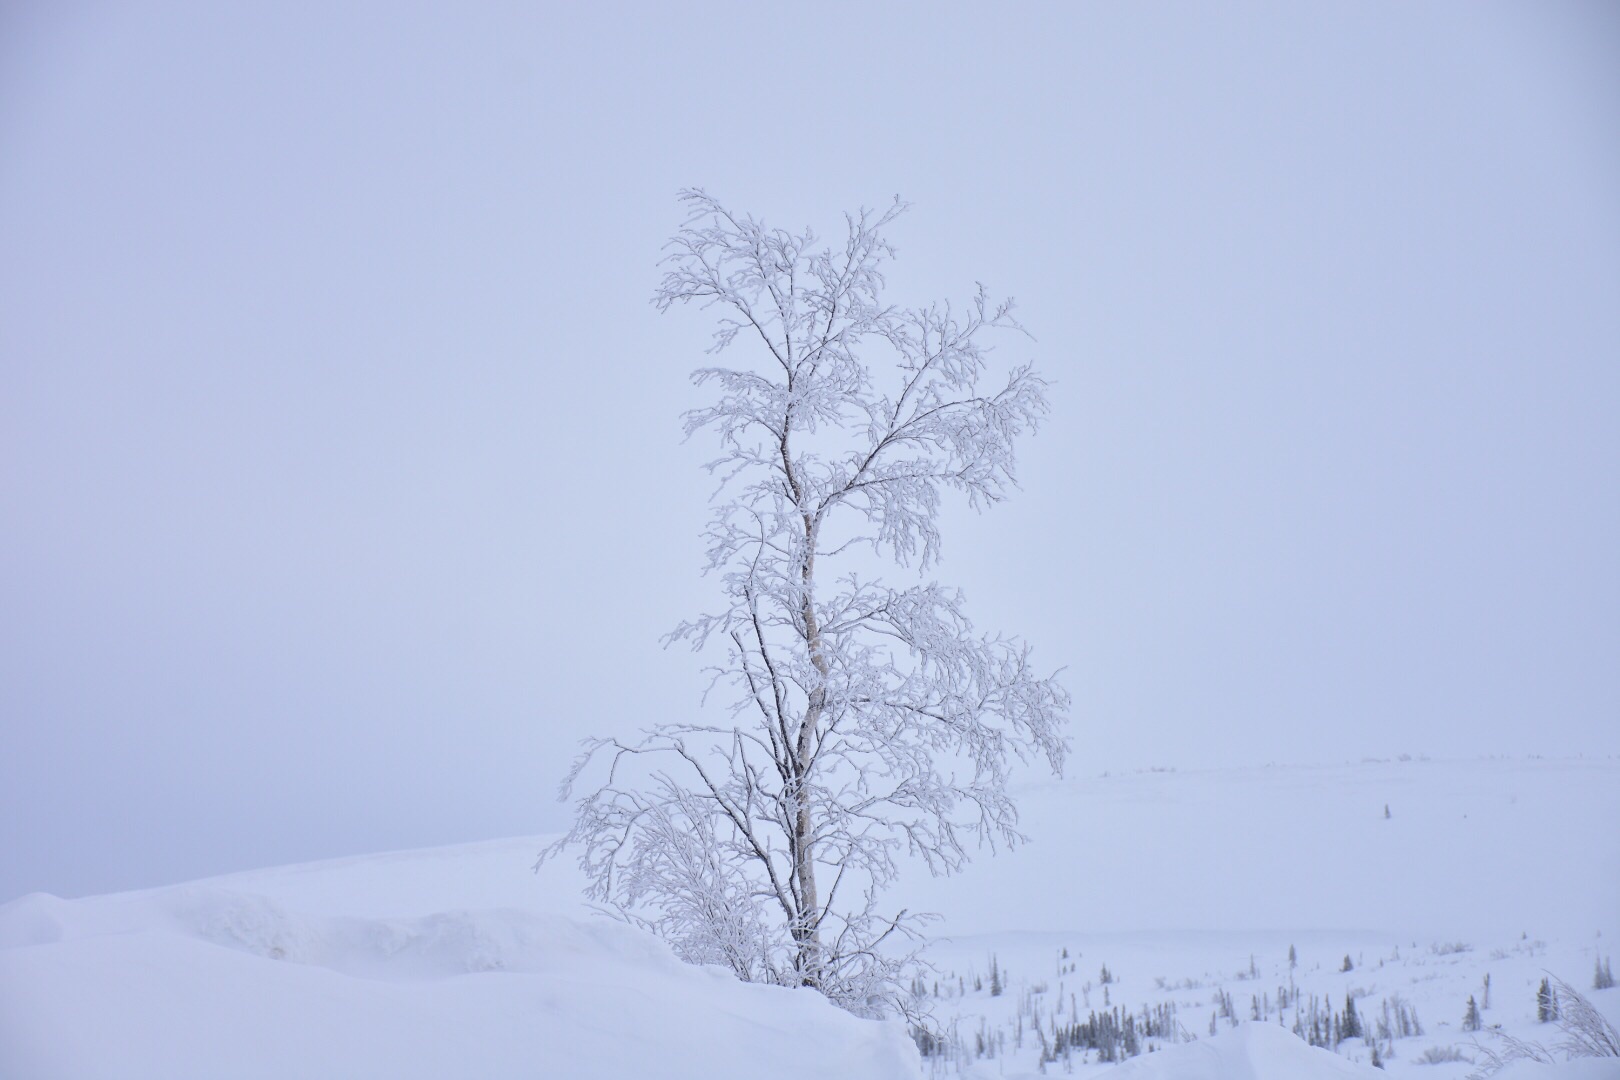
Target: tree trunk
[(808, 933)]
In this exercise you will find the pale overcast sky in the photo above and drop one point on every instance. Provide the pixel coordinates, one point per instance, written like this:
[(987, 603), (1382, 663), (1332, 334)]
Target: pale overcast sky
[(340, 459)]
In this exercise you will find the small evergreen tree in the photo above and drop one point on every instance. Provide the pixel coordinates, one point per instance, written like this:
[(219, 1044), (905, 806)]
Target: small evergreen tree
[(1348, 966), (995, 977), (1471, 1017), (928, 1043), (1546, 1003), (1603, 978)]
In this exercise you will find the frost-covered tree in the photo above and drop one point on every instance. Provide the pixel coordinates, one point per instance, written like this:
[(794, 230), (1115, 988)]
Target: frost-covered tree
[(869, 723)]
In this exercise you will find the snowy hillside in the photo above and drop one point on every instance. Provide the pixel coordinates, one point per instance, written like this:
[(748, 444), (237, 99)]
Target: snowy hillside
[(207, 981), (1191, 889)]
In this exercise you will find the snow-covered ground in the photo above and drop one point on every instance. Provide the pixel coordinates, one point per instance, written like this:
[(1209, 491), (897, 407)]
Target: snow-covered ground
[(442, 963), (1190, 888)]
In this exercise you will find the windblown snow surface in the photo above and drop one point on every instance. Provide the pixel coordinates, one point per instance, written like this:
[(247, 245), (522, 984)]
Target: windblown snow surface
[(1190, 887)]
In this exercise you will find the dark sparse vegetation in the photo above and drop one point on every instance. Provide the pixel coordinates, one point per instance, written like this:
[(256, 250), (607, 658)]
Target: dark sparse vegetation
[(1546, 1003)]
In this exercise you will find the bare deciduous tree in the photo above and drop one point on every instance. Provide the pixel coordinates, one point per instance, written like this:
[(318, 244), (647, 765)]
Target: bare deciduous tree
[(869, 723)]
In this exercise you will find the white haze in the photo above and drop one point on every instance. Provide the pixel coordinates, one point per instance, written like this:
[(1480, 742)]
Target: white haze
[(340, 472)]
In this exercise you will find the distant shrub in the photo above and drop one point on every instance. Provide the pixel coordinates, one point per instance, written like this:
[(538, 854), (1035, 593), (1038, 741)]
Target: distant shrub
[(1603, 979), (1471, 1016), (1350, 1020), (1398, 1020), (1546, 1003), (929, 1042), (1440, 1055)]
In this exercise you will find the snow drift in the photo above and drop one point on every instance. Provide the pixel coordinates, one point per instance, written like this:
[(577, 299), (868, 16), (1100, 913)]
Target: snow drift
[(1258, 1051), (202, 981), (1251, 1051)]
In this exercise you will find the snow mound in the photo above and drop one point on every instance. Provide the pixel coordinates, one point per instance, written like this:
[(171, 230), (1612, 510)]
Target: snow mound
[(1262, 1051), (34, 919), (1250, 1051), (1578, 1069), (204, 981)]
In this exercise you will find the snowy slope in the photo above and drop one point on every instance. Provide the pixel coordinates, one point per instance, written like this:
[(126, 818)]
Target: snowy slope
[(461, 961), (209, 981)]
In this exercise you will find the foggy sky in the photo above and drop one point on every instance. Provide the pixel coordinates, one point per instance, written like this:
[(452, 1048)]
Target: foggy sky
[(340, 457)]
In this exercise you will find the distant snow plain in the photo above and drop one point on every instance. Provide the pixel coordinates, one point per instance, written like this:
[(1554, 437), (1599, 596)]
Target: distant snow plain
[(1190, 887)]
